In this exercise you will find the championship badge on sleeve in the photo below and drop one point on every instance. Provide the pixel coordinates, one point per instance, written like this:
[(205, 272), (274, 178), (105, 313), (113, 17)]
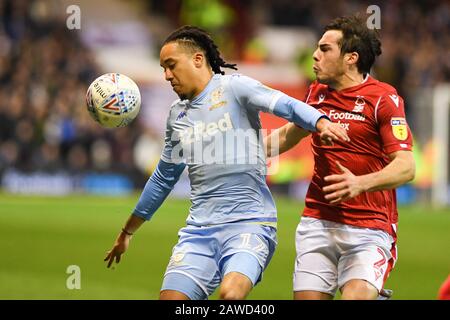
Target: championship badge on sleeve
[(399, 128)]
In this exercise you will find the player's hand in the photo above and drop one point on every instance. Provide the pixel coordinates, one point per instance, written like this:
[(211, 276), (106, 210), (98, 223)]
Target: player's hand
[(343, 186), (120, 246), (330, 131)]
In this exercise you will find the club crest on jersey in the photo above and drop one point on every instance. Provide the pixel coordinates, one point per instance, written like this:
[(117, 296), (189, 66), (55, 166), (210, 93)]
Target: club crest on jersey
[(217, 105), (399, 128), (215, 98), (216, 95), (359, 104)]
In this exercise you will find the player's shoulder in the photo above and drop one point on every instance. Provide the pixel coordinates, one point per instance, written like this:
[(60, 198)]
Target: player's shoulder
[(378, 87), (175, 103), (178, 104), (176, 107), (239, 78), (241, 84), (383, 93), (235, 76)]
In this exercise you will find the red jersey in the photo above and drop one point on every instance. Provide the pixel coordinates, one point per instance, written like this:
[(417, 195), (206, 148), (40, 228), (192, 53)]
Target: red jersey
[(374, 117), (444, 290)]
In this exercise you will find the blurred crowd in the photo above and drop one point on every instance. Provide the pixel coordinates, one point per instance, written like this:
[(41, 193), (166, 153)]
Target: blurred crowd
[(415, 36), (44, 73), (45, 70)]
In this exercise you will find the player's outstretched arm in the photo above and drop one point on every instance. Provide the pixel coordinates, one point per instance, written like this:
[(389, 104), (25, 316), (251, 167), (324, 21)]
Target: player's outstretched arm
[(286, 137), (283, 139), (123, 239), (308, 118), (346, 185), (253, 95)]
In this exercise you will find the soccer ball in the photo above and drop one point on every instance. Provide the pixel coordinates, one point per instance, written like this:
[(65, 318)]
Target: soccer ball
[(113, 100)]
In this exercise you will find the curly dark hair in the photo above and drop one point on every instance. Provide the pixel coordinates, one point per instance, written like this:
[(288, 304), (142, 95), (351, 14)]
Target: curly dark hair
[(357, 38), (198, 39)]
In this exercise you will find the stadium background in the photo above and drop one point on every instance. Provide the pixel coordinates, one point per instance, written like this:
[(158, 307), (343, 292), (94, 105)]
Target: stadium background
[(68, 184)]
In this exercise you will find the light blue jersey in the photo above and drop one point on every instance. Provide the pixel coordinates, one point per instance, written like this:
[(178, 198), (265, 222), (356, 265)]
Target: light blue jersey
[(217, 136)]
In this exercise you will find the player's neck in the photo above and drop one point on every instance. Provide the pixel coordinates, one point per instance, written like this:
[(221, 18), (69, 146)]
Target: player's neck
[(202, 82), (348, 80)]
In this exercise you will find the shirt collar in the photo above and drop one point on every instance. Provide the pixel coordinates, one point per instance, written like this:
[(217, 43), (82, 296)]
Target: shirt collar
[(205, 91)]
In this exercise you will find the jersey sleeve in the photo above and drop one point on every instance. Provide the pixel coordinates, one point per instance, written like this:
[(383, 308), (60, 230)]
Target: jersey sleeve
[(172, 151), (393, 128), (158, 188), (254, 95), (165, 176)]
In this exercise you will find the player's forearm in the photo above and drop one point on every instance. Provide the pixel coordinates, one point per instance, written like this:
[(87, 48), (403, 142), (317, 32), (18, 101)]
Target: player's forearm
[(298, 112), (400, 171), (133, 224), (275, 142), (283, 139)]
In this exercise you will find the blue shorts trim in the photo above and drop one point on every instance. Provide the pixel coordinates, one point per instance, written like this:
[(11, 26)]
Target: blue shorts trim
[(245, 263), (184, 283)]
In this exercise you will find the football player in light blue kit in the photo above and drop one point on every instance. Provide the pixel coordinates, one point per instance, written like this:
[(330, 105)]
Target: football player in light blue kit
[(213, 129)]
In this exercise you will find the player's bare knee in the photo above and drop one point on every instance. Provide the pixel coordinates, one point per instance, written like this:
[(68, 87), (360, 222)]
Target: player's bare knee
[(235, 286), (359, 290), (172, 295), (231, 293), (311, 295)]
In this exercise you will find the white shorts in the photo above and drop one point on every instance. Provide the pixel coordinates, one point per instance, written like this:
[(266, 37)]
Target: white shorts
[(329, 254)]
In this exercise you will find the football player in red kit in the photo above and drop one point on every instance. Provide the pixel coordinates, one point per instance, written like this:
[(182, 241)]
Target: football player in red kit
[(444, 290), (346, 238)]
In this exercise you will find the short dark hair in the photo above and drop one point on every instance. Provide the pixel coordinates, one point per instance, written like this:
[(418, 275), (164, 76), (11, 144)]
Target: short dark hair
[(356, 37), (198, 39)]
